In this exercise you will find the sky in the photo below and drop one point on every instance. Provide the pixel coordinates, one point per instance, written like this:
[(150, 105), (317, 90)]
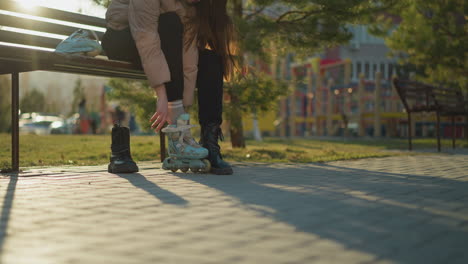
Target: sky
[(83, 6)]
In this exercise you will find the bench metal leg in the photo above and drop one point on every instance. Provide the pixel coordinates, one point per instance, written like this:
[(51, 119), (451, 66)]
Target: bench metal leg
[(410, 145), (466, 127), (453, 132), (438, 130), (15, 121), (162, 145)]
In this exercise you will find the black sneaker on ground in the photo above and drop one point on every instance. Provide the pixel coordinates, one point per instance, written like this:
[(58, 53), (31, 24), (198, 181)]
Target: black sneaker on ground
[(210, 134), (121, 159)]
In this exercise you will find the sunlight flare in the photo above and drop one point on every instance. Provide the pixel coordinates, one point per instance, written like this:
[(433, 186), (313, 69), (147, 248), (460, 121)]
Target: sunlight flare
[(28, 4)]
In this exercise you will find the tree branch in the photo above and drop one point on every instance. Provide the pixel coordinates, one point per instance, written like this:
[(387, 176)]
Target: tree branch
[(255, 13), (286, 14), (305, 14)]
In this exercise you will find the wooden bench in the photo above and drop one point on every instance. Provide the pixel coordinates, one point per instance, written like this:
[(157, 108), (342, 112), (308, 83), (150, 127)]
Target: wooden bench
[(451, 103), (32, 53), (421, 97)]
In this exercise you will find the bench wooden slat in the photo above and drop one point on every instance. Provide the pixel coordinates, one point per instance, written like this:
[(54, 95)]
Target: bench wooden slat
[(447, 104), (41, 26), (112, 65), (415, 91), (443, 89), (46, 60), (416, 97), (30, 40), (454, 110), (94, 72), (421, 95), (453, 101), (70, 68), (39, 11), (446, 95)]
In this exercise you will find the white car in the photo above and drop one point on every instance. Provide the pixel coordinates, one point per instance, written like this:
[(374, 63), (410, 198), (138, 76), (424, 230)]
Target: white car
[(41, 124)]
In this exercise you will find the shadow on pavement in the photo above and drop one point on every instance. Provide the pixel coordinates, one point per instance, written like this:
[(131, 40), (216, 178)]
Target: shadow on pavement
[(6, 209), (141, 182), (399, 217)]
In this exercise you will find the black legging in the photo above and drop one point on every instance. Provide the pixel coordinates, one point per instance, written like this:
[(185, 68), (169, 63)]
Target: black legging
[(119, 45), (210, 87)]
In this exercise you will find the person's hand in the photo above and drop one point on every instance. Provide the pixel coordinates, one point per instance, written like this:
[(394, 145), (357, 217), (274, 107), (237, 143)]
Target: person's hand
[(162, 114)]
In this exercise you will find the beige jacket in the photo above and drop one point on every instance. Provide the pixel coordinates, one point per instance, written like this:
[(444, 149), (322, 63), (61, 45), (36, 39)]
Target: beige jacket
[(142, 18)]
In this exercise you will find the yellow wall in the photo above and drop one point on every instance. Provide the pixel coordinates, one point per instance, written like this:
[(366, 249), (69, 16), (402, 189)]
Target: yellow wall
[(266, 122)]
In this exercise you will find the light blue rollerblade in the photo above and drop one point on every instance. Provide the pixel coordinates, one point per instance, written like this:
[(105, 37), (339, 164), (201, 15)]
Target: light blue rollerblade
[(184, 152)]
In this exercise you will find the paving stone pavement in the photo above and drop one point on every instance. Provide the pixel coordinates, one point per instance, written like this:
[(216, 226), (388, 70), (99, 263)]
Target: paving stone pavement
[(387, 210)]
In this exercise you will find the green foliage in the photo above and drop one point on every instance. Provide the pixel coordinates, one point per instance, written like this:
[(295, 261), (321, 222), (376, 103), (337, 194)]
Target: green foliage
[(302, 26), (137, 96), (5, 104), (33, 101), (256, 92), (433, 38)]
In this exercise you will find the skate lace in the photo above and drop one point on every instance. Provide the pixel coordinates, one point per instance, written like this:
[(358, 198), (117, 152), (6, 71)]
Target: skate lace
[(178, 144), (220, 134), (211, 143), (221, 137), (188, 139), (182, 140)]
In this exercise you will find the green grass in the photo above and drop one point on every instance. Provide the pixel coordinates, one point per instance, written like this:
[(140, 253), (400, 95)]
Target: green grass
[(402, 144), (75, 150)]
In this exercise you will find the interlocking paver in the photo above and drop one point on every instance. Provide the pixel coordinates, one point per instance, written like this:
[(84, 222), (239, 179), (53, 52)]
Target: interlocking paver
[(387, 210)]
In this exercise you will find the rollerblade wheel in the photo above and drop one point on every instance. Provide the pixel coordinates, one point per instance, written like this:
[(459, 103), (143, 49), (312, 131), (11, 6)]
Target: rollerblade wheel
[(207, 166), (195, 170), (184, 170), (173, 170), (166, 164)]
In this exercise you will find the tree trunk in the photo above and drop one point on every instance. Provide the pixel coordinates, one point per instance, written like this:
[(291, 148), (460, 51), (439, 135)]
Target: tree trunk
[(236, 129)]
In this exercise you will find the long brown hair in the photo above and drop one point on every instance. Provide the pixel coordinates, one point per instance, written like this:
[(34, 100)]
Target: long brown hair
[(216, 32)]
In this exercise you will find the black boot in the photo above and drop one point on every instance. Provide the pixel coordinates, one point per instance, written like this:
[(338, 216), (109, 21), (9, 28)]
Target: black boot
[(121, 160), (210, 134)]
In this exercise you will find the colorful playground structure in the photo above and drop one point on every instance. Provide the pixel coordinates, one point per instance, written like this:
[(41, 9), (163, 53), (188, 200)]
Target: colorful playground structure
[(336, 98)]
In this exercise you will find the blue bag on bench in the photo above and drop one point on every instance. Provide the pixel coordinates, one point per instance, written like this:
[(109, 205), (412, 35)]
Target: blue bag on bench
[(80, 43)]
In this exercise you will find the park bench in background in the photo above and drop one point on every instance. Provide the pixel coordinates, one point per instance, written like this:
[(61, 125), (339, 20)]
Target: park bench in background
[(420, 97), (31, 54), (451, 103)]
